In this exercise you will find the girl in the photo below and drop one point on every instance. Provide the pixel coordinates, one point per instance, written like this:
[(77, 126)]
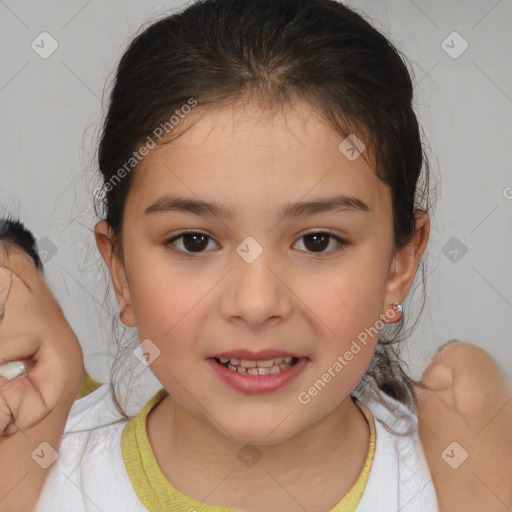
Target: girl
[(465, 388), (263, 222)]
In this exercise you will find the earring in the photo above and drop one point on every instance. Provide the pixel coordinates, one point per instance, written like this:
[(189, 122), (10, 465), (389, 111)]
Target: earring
[(397, 307)]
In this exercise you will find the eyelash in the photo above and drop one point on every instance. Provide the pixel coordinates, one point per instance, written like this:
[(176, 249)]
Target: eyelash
[(168, 243)]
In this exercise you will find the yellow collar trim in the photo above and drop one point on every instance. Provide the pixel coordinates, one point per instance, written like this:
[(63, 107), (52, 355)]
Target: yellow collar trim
[(157, 494)]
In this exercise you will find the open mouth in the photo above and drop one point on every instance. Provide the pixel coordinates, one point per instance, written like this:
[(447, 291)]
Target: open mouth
[(258, 375), (259, 367)]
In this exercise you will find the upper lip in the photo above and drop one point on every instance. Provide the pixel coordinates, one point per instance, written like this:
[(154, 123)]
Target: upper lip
[(262, 355)]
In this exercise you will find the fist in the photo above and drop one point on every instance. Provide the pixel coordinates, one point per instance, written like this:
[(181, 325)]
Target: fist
[(34, 331)]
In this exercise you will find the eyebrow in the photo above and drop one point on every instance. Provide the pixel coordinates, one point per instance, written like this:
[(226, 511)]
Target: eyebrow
[(340, 203)]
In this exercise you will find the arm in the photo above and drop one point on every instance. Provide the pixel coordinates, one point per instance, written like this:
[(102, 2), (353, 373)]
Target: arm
[(469, 403), (33, 327)]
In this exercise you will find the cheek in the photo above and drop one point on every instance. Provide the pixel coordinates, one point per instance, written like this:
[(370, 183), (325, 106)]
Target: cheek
[(346, 306), (348, 298), (168, 311), (158, 304)]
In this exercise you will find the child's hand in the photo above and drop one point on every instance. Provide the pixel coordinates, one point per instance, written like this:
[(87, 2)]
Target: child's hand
[(465, 425), (33, 328)]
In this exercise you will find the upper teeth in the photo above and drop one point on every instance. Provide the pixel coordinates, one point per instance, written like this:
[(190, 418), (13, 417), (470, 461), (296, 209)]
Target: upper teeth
[(248, 363)]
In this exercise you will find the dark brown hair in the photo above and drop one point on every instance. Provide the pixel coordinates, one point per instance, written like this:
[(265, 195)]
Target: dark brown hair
[(276, 51), (14, 233)]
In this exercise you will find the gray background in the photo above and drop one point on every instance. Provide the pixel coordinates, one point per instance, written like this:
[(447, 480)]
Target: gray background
[(52, 109)]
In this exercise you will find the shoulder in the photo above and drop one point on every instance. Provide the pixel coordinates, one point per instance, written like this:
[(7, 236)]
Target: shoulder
[(399, 476), (89, 464)]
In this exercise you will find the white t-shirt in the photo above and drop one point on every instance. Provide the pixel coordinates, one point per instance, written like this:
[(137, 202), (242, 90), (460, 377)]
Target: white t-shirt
[(90, 475)]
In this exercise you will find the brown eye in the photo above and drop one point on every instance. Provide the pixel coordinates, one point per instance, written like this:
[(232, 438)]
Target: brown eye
[(192, 242), (317, 242), (195, 242)]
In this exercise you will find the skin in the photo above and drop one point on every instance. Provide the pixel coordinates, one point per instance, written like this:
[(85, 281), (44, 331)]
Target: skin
[(33, 328), (468, 401), (291, 298)]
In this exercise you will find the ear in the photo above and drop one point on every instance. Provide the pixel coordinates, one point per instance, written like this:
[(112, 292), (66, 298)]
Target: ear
[(406, 261), (103, 233)]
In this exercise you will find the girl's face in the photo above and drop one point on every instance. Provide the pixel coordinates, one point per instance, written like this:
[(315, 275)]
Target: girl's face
[(252, 278)]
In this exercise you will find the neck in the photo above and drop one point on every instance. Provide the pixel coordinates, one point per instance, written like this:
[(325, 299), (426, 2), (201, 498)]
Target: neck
[(324, 459)]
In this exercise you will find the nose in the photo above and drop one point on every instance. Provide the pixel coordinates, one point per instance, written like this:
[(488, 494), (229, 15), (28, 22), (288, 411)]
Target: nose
[(256, 293)]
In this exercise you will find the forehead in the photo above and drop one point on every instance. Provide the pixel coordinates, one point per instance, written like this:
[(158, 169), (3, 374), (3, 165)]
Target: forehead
[(244, 156)]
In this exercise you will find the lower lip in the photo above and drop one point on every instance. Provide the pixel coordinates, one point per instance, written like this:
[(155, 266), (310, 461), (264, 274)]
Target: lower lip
[(258, 383)]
